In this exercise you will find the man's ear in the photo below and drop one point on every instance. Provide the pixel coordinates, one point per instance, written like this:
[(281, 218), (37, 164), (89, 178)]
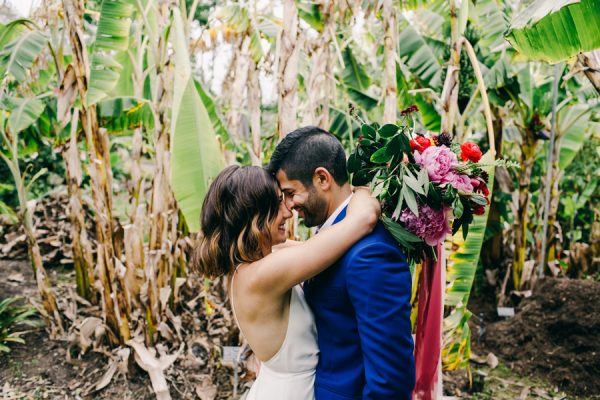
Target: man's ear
[(322, 178)]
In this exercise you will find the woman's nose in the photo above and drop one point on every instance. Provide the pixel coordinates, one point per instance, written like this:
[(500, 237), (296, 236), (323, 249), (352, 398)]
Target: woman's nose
[(289, 203), (286, 212)]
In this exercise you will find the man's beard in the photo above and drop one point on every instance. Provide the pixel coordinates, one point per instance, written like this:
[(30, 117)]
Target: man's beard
[(314, 210)]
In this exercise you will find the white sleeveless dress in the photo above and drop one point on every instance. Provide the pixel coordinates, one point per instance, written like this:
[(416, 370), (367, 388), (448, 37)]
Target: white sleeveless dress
[(290, 373)]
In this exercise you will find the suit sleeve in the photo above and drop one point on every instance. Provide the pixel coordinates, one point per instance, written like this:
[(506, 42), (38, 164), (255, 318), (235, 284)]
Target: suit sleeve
[(379, 286)]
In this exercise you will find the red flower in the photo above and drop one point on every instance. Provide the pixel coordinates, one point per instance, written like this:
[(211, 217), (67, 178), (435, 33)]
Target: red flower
[(470, 151), (420, 143), (480, 186), (409, 110), (478, 209)]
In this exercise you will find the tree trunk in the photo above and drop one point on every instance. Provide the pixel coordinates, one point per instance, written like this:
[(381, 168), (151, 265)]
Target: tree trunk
[(318, 90), (115, 306), (591, 62), (136, 182), (287, 69), (389, 42), (83, 258), (527, 158), (255, 113), (238, 89), (450, 91), (49, 305)]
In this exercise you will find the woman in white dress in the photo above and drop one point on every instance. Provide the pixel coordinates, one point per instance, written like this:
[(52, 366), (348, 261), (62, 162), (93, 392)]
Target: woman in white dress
[(243, 218)]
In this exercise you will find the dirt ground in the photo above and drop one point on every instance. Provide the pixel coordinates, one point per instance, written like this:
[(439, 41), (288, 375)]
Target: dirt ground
[(555, 335), (42, 369)]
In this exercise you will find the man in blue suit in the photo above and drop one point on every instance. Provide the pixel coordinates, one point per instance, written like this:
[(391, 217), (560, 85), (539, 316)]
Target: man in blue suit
[(361, 304)]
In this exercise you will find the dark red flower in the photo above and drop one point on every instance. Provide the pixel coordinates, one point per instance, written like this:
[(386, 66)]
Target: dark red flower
[(470, 151), (443, 139), (420, 143), (409, 110), (478, 209)]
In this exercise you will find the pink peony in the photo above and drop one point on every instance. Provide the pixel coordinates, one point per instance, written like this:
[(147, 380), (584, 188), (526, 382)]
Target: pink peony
[(462, 183), (431, 225), (438, 161)]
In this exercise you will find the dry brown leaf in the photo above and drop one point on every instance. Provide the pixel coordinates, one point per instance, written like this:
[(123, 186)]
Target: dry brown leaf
[(206, 390), (146, 359)]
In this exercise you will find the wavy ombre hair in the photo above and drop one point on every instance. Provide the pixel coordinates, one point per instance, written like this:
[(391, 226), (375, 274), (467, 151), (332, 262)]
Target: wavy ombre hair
[(238, 210)]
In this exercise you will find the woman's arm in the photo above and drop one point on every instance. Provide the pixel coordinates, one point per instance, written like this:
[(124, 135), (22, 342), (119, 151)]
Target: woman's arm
[(279, 271)]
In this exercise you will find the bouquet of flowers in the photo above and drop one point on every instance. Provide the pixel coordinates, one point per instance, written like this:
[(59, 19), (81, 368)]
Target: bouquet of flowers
[(429, 186)]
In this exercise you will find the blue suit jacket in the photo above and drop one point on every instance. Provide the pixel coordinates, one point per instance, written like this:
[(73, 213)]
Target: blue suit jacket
[(362, 311)]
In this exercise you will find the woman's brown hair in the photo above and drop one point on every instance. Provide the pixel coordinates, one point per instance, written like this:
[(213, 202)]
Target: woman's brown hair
[(237, 212)]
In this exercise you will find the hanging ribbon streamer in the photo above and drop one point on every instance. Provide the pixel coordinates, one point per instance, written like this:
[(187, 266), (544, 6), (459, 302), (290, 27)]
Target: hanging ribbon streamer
[(428, 341)]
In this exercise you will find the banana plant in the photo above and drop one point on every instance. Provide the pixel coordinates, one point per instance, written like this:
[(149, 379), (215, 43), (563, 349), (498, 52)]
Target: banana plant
[(460, 274), (554, 31), (196, 154), (112, 36)]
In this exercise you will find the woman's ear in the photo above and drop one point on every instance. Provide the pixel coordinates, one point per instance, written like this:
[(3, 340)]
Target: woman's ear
[(322, 178)]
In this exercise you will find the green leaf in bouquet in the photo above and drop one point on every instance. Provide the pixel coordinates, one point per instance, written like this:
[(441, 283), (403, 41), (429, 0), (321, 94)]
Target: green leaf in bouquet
[(368, 131), (434, 198), (365, 142), (381, 156), (380, 189), (423, 179), (450, 195), (402, 236), (394, 147), (388, 130), (353, 163), (411, 200), (405, 144), (465, 228), (458, 209), (399, 204), (412, 182), (479, 199), (361, 178)]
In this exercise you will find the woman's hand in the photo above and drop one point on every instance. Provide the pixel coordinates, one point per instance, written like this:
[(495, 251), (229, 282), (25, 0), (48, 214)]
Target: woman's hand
[(364, 208)]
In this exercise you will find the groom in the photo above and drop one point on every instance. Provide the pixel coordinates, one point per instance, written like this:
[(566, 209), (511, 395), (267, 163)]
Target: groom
[(361, 304)]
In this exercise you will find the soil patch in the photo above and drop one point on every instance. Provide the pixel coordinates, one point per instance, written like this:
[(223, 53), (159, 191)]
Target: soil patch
[(56, 369), (555, 334)]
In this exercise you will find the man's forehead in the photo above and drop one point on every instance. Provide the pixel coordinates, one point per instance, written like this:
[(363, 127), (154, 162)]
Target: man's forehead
[(287, 184)]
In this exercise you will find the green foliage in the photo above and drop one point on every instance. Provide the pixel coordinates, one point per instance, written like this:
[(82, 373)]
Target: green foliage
[(18, 56), (580, 197), (553, 31), (356, 80), (420, 59), (23, 112), (196, 156), (13, 317), (112, 35)]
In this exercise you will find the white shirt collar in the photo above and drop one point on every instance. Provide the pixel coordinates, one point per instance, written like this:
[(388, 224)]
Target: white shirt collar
[(335, 214)]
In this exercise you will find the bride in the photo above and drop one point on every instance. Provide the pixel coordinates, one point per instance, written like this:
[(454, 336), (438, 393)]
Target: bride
[(243, 218)]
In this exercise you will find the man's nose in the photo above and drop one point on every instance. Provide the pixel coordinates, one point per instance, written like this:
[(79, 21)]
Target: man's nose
[(287, 213)]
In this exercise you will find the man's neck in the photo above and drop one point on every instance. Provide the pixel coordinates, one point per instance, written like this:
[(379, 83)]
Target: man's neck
[(339, 196)]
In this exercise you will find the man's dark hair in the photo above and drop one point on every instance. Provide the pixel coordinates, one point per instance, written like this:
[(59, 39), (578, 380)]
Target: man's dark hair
[(304, 150)]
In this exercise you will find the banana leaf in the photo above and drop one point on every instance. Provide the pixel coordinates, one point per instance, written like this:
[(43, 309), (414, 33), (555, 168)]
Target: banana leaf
[(420, 58), (23, 112), (112, 35), (460, 273), (556, 30), (17, 57), (574, 125), (196, 156)]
